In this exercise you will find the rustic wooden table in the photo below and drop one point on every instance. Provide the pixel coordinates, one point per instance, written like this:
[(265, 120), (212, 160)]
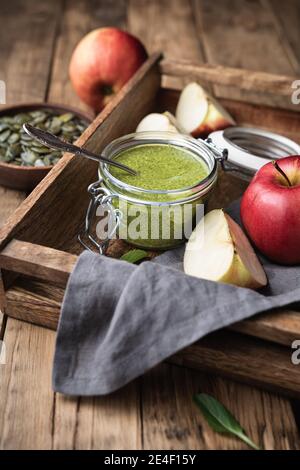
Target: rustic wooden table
[(156, 411)]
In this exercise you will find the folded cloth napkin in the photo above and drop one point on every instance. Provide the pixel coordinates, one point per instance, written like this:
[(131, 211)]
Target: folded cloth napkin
[(119, 320)]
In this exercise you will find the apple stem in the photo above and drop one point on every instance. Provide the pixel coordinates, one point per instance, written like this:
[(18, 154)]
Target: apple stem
[(281, 172)]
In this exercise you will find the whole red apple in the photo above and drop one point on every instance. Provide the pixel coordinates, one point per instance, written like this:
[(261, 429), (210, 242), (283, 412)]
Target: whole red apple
[(102, 62), (270, 210)]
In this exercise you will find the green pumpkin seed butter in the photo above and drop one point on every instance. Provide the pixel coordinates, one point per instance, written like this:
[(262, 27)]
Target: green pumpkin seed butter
[(160, 167)]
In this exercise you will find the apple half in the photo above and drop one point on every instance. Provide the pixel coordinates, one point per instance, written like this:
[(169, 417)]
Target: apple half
[(162, 122), (199, 114), (218, 250)]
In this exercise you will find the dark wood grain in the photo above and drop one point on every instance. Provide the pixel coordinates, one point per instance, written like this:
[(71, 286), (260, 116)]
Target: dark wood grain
[(177, 40), (242, 34), (231, 355), (25, 68), (234, 77), (39, 261), (279, 326), (172, 420), (286, 22), (28, 298)]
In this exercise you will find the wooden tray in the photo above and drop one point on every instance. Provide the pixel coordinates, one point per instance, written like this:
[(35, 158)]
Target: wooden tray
[(38, 245)]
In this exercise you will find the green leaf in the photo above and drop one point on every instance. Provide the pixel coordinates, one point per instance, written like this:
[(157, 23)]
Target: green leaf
[(220, 419), (133, 256)]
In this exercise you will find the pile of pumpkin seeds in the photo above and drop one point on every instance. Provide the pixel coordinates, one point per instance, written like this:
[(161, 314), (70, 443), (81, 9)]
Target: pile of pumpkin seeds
[(18, 148)]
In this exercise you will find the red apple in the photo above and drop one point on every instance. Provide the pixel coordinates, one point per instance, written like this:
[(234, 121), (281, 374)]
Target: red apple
[(270, 210), (102, 62)]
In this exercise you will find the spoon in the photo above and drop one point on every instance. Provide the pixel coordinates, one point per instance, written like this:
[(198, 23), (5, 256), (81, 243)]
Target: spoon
[(54, 142)]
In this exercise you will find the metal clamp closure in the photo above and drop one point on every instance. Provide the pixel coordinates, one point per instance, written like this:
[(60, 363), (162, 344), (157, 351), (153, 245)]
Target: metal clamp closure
[(221, 155), (100, 196)]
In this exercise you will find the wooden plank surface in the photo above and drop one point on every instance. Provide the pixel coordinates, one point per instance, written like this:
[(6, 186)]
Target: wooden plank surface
[(234, 355), (157, 15), (170, 28), (9, 201), (169, 417), (230, 76), (286, 23), (97, 423), (38, 261), (241, 34), (26, 55), (181, 426), (26, 48), (19, 58), (62, 423)]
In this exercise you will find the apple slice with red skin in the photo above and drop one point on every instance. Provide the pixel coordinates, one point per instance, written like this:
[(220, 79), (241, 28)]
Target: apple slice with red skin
[(218, 250), (270, 210), (199, 114)]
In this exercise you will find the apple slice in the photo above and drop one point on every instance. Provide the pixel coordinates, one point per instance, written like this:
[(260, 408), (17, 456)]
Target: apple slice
[(158, 122), (199, 114), (218, 250), (192, 108)]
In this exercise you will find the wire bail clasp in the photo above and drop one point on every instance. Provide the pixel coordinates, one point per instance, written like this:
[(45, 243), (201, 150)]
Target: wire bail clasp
[(100, 197)]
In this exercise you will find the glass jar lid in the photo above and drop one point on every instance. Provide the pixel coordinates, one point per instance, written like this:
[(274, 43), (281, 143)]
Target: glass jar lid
[(251, 148)]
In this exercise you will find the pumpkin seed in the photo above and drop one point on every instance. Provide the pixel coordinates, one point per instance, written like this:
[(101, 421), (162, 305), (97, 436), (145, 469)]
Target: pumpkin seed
[(8, 157), (21, 118), (7, 119), (55, 125), (26, 140), (29, 157), (66, 117), (39, 162), (80, 128), (18, 148), (13, 138), (3, 126), (36, 114), (15, 149), (68, 127), (39, 119), (47, 161), (56, 155), (41, 149), (4, 135)]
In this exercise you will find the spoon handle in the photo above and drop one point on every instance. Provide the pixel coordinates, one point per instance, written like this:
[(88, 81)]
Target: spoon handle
[(54, 142)]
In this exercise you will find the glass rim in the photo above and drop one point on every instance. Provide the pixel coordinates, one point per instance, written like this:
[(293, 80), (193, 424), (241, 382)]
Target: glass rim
[(199, 149)]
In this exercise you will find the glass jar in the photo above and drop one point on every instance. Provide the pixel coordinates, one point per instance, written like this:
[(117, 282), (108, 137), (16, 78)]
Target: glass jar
[(125, 203)]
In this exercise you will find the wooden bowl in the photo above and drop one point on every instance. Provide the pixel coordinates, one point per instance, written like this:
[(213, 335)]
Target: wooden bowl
[(25, 178)]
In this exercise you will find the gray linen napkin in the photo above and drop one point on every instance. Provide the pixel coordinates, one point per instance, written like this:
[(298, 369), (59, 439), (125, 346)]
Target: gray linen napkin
[(119, 320)]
